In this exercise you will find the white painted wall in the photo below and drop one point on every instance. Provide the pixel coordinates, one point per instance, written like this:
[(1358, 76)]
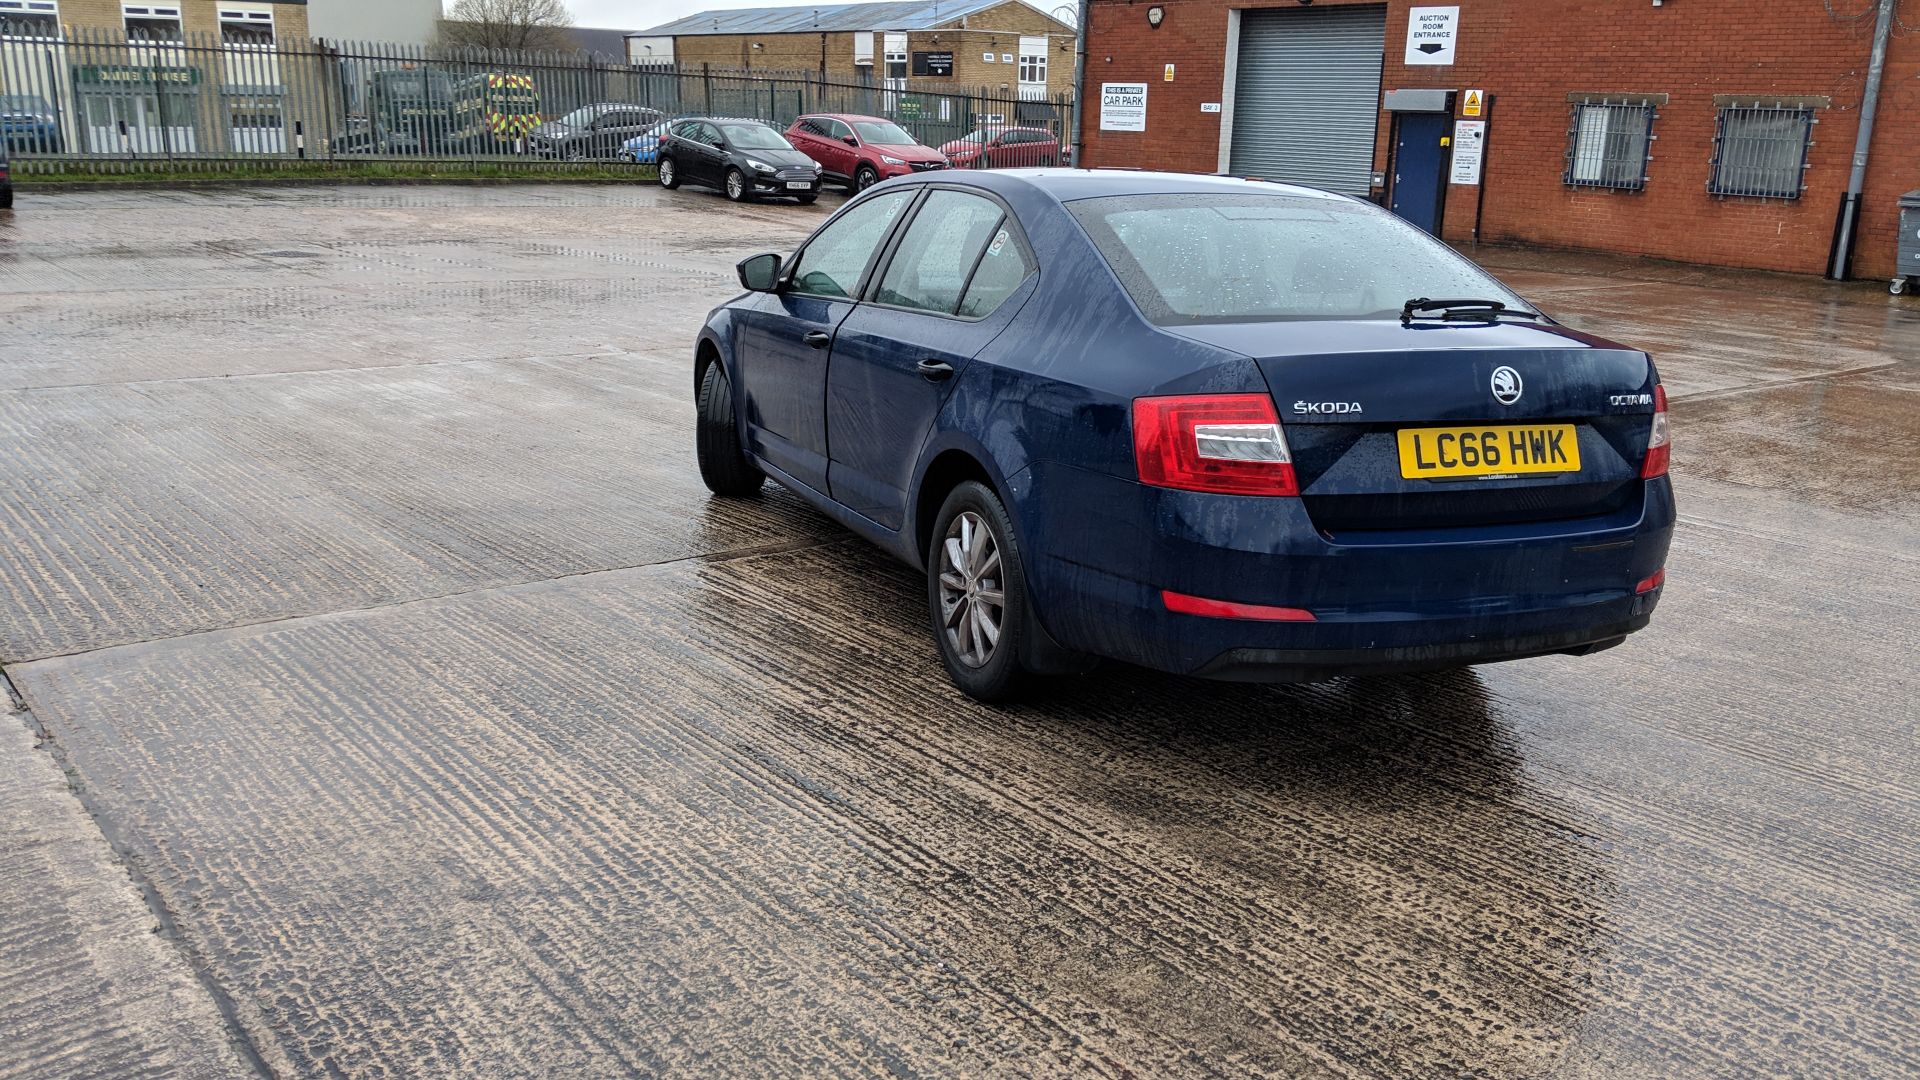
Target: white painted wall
[(406, 21), (650, 51)]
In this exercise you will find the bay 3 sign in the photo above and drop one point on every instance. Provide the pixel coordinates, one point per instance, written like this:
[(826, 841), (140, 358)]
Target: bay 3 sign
[(1431, 35)]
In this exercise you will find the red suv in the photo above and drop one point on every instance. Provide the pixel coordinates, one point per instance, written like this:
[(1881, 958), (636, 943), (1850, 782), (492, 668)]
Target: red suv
[(861, 151), (1003, 148)]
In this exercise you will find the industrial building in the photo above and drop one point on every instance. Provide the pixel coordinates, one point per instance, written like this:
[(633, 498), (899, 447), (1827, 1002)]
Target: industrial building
[(1708, 131), (1000, 45)]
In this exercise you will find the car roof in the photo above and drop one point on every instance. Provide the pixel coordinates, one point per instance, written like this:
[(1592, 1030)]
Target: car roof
[(844, 117), (724, 120), (1068, 185)]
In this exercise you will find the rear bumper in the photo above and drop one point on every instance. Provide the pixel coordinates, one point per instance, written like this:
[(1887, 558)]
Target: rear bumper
[(1314, 665), (1104, 549)]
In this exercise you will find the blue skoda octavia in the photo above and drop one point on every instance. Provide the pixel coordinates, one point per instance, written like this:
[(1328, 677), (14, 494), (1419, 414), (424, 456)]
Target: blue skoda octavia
[(1217, 427)]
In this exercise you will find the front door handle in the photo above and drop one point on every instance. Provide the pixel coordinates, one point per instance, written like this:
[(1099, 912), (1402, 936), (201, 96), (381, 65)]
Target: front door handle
[(819, 339), (935, 370)]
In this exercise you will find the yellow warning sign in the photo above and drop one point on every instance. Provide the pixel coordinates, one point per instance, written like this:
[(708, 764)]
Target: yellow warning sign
[(1168, 77), (1471, 106)]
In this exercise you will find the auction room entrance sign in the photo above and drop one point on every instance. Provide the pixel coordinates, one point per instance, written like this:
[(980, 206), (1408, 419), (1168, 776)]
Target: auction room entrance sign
[(1123, 106)]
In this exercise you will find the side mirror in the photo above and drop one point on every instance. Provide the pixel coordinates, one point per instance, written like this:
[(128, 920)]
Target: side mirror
[(850, 140), (758, 273)]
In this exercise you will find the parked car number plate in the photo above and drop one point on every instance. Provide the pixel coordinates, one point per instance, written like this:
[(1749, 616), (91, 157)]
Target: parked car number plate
[(798, 185), (1497, 450)]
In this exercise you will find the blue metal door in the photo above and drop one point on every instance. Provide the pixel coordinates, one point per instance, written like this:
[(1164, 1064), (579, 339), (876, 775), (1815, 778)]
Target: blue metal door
[(1420, 168)]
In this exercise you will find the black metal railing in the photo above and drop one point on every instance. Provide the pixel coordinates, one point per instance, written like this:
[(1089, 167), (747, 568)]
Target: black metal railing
[(90, 100)]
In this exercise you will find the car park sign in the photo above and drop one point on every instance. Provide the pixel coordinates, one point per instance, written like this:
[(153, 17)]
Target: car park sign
[(1123, 106)]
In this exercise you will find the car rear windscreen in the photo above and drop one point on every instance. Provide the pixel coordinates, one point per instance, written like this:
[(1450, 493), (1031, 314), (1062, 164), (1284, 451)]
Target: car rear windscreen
[(1196, 258)]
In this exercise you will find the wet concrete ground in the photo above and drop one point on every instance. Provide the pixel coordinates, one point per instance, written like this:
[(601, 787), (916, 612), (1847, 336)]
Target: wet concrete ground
[(353, 559)]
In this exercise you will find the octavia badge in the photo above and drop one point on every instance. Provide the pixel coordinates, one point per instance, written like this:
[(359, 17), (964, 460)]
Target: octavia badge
[(1506, 385)]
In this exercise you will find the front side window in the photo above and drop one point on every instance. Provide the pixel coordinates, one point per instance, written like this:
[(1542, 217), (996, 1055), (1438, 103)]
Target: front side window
[(1241, 258), (1608, 145), (1761, 151), (833, 262), (930, 268)]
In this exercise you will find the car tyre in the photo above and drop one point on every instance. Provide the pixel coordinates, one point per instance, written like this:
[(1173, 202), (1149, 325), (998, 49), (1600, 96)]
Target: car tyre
[(864, 177), (669, 173), (972, 558), (737, 186), (6, 197), (724, 465)]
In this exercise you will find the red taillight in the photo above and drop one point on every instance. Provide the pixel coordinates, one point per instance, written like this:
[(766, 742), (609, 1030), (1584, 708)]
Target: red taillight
[(1229, 444), (1223, 609), (1660, 442), (1651, 583)]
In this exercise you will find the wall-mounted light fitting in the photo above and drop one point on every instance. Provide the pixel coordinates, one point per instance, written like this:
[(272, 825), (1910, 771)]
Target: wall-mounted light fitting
[(1156, 15)]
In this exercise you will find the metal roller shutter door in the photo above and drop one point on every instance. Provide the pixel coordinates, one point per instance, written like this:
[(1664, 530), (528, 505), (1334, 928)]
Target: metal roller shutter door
[(1306, 96)]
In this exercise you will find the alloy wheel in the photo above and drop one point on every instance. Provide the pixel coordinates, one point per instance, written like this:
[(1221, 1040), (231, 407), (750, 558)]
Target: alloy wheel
[(666, 171), (735, 185), (972, 600)]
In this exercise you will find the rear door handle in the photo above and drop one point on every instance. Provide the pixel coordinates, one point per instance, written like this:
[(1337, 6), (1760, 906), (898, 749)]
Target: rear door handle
[(935, 370), (819, 339)]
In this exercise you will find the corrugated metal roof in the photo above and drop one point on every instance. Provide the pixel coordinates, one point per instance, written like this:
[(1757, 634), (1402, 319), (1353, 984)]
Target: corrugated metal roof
[(896, 15)]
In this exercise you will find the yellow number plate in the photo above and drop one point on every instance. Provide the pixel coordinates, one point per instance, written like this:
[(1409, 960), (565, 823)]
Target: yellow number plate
[(1499, 450)]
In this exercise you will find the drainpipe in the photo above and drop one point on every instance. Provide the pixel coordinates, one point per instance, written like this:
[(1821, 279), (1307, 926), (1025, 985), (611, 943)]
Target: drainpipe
[(1869, 105), (1080, 85)]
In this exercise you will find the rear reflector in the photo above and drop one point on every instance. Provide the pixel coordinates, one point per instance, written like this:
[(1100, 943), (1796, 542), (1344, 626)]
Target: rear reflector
[(1651, 583), (1183, 604), (1660, 441), (1229, 444)]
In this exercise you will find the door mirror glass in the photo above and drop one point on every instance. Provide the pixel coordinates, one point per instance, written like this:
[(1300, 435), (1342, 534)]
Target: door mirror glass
[(758, 273)]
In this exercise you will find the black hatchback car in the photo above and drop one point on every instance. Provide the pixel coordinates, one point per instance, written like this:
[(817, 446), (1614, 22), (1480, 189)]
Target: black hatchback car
[(743, 158)]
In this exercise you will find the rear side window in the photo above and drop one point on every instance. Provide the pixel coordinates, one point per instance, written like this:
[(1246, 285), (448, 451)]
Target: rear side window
[(930, 268), (1241, 258), (1003, 266), (832, 263)]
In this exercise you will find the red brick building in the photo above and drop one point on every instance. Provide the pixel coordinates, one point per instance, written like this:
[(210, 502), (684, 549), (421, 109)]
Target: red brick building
[(1667, 128)]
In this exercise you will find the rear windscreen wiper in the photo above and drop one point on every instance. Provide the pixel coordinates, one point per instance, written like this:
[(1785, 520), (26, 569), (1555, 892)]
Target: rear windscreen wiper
[(1461, 311)]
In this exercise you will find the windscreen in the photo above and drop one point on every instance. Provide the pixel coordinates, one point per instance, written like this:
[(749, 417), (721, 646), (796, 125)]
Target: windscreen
[(1231, 257), (883, 133), (754, 137), (582, 116)]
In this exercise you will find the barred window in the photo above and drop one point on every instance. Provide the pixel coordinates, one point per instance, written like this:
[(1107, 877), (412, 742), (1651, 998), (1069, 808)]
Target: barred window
[(1761, 151), (1607, 146)]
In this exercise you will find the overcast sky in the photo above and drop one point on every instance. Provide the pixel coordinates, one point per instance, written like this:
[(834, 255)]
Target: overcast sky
[(641, 14)]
